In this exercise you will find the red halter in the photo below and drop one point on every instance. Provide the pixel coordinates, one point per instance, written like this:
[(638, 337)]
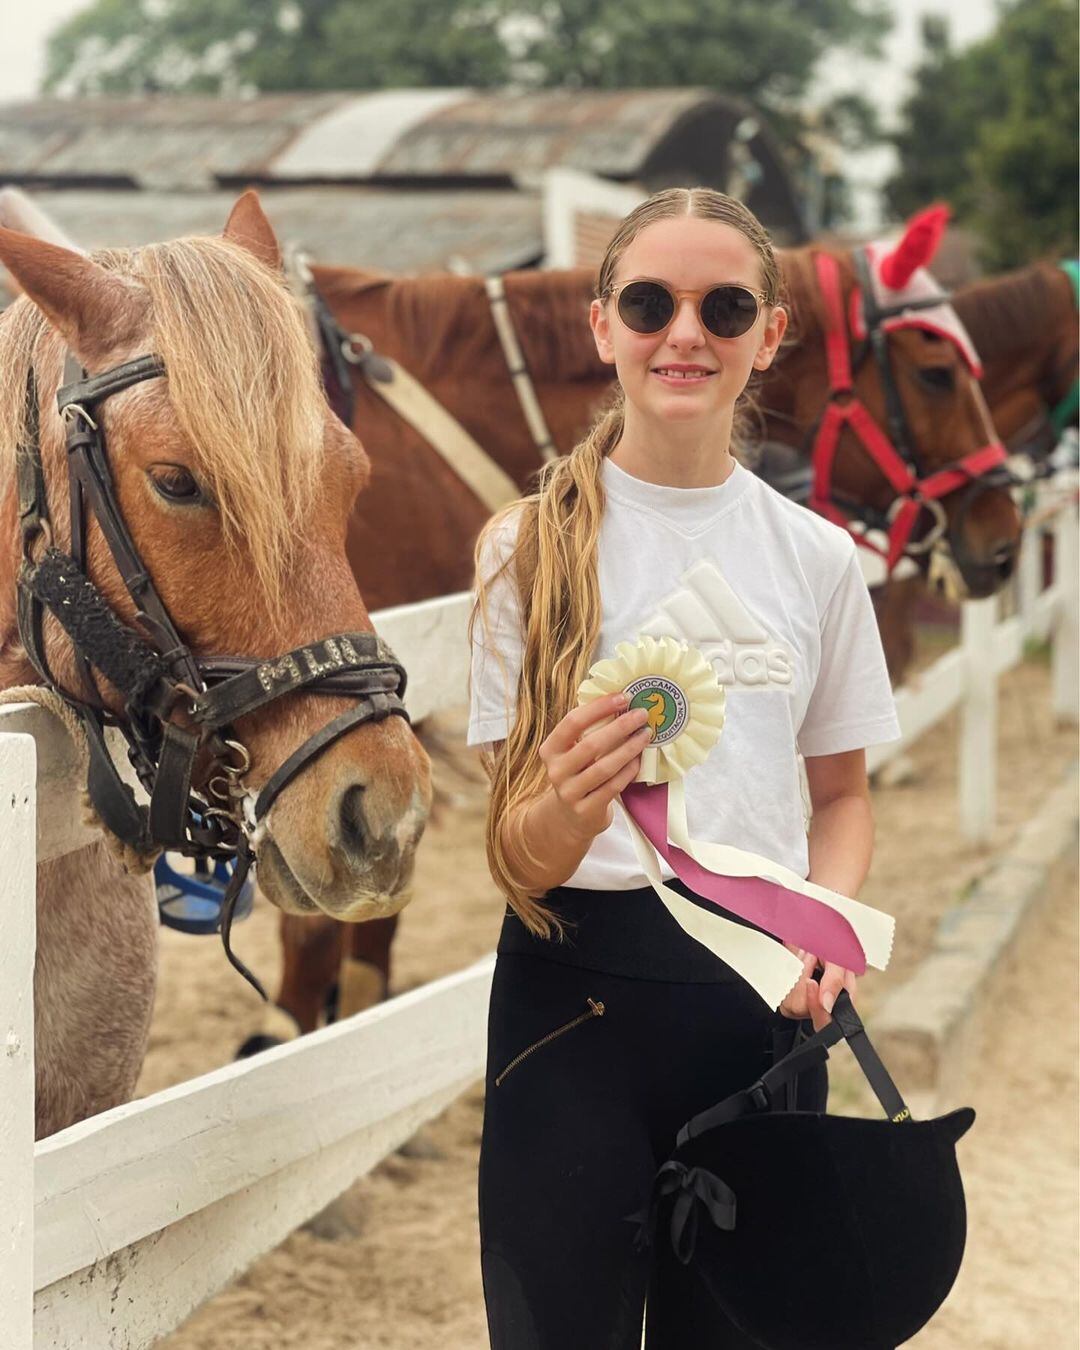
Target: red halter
[(845, 408)]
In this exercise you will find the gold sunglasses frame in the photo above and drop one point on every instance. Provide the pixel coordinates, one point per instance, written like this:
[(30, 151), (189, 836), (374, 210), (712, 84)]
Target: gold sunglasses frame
[(677, 297)]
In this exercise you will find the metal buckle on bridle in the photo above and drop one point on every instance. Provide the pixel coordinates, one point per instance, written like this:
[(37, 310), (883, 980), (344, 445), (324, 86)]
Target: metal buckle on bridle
[(356, 348), (936, 531)]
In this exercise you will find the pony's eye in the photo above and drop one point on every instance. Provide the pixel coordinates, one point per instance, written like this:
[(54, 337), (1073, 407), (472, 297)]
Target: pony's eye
[(938, 379), (176, 484)]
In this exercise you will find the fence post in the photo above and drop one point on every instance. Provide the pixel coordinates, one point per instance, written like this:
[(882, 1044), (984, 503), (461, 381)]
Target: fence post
[(1029, 577), (1065, 659), (978, 720), (18, 849)]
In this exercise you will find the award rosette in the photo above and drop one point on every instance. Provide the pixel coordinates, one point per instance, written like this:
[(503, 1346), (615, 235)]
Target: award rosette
[(679, 688), (686, 701)]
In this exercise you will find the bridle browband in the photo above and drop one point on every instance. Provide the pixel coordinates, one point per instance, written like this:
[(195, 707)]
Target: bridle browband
[(893, 451), (178, 707)]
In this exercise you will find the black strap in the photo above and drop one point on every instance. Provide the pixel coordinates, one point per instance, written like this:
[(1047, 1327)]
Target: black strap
[(30, 477), (347, 663), (170, 798), (763, 1095), (113, 799), (374, 708), (90, 389)]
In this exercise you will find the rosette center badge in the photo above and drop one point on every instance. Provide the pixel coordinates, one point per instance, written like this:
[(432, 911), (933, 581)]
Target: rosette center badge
[(665, 703), (681, 693)]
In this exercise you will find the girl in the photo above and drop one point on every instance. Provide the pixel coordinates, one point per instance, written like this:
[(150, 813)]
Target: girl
[(609, 1026)]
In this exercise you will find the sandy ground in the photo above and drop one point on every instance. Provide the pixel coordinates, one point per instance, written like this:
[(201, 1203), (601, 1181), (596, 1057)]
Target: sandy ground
[(394, 1265)]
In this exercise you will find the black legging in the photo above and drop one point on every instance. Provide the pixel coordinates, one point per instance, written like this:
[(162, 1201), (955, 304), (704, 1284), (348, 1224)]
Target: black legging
[(599, 1049)]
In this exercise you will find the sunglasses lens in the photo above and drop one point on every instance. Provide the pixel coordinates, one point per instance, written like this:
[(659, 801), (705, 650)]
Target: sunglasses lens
[(729, 311), (645, 307)]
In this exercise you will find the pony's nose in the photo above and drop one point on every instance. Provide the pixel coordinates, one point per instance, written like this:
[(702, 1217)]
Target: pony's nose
[(361, 846), (354, 828)]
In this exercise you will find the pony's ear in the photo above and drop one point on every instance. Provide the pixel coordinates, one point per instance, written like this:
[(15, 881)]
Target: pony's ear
[(248, 226), (20, 212), (95, 310)]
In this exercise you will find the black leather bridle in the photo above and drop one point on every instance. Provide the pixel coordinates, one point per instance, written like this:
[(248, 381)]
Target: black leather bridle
[(155, 672)]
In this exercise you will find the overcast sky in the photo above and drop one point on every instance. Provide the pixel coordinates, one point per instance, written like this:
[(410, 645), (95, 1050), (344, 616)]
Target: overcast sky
[(25, 25)]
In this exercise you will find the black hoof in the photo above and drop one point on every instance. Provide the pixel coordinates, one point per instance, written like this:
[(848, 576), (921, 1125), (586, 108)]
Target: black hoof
[(256, 1044)]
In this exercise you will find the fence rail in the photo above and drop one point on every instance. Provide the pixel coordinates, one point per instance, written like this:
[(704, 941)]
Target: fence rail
[(172, 1196)]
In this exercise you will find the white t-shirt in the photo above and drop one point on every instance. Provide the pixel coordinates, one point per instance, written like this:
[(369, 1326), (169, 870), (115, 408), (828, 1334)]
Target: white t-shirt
[(773, 595)]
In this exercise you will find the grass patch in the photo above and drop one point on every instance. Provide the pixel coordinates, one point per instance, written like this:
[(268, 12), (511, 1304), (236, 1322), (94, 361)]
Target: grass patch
[(1037, 650)]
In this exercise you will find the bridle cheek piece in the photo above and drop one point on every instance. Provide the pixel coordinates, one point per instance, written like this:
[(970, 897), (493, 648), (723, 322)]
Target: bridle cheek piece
[(179, 708)]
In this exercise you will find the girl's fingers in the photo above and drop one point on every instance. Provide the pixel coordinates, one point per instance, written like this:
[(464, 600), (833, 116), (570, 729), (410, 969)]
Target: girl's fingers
[(598, 773), (611, 787), (815, 1011), (831, 983), (580, 758), (577, 722)]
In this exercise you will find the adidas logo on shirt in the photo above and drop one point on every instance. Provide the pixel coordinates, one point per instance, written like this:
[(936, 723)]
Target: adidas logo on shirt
[(707, 613)]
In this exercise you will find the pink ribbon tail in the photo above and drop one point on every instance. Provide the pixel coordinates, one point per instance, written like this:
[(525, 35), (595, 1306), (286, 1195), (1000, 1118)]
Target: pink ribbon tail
[(794, 918)]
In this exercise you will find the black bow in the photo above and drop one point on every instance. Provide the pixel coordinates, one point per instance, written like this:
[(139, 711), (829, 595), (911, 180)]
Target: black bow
[(688, 1184)]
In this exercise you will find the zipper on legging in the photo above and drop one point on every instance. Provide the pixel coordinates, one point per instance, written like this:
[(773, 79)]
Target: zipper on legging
[(596, 1009)]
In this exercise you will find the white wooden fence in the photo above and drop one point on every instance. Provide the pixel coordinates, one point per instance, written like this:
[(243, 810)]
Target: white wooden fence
[(113, 1231)]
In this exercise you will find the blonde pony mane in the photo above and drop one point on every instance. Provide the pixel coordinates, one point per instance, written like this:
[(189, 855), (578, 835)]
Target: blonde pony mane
[(243, 385)]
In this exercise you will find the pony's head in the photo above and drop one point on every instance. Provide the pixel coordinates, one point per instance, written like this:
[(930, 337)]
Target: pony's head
[(915, 370), (235, 482)]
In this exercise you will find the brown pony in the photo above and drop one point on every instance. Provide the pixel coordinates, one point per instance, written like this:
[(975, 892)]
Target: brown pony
[(235, 483), (1024, 326), (416, 539)]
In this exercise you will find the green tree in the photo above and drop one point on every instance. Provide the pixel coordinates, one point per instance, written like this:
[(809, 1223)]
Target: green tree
[(993, 130), (233, 46)]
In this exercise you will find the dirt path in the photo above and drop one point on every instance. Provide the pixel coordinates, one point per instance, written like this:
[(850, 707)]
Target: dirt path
[(397, 1266)]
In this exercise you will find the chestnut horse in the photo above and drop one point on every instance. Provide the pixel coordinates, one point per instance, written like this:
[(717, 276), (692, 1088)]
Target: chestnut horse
[(416, 540), (234, 482), (1024, 325)]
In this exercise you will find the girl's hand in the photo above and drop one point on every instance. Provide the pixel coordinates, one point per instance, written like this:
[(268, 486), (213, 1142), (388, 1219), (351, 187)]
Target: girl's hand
[(812, 999), (586, 769)]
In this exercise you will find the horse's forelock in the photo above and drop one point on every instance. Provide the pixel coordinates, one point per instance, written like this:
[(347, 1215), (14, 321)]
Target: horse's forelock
[(244, 386)]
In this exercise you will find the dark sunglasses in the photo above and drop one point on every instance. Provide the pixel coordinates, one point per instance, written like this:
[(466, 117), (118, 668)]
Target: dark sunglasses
[(727, 311)]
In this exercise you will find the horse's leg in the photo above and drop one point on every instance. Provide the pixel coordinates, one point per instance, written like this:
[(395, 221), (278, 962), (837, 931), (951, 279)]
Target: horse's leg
[(94, 980), (365, 967), (312, 950), (894, 605)]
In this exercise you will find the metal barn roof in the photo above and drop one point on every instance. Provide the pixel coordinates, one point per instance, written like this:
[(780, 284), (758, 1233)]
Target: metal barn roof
[(406, 231)]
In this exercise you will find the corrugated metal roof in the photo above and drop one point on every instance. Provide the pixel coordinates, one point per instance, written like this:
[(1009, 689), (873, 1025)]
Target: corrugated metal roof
[(152, 142), (395, 229), (184, 143)]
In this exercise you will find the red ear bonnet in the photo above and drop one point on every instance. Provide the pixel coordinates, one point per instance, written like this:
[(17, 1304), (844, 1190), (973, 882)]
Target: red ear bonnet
[(916, 248)]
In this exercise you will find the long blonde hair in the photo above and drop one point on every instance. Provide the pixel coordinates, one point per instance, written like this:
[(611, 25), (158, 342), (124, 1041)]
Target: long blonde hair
[(553, 564)]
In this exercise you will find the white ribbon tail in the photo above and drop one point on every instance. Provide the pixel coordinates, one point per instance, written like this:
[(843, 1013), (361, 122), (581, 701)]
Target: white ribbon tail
[(765, 964)]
